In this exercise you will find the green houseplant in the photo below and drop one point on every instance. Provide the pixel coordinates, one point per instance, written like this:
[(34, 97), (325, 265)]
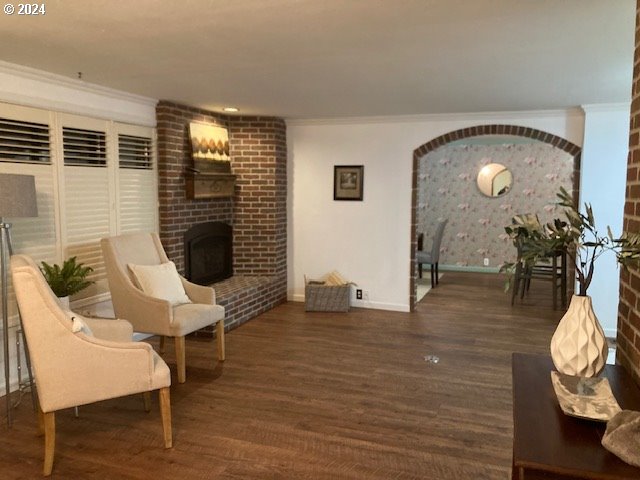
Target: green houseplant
[(578, 346), (66, 280), (577, 236)]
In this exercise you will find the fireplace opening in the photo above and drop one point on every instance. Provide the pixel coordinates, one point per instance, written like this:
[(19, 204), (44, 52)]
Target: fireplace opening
[(208, 252)]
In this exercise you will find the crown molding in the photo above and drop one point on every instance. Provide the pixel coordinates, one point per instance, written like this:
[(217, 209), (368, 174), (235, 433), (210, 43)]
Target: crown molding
[(29, 87), (439, 117), (606, 107), (72, 83)]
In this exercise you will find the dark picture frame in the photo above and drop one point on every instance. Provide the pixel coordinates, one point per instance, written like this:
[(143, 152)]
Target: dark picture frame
[(348, 182)]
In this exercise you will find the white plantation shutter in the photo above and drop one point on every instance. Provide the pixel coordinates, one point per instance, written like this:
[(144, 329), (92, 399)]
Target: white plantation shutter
[(137, 180), (25, 149), (94, 178), (22, 141), (87, 198), (87, 221), (86, 148)]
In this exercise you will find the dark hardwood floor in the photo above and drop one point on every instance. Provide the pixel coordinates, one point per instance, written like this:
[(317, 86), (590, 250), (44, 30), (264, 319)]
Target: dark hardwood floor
[(319, 396)]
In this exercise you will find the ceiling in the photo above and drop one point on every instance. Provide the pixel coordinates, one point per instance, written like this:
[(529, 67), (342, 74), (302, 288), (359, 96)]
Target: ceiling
[(338, 58)]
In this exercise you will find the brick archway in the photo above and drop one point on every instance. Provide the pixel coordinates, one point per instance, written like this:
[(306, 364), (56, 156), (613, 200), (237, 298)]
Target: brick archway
[(479, 130)]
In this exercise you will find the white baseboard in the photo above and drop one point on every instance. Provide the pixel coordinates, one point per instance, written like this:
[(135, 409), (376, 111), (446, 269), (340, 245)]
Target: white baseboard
[(394, 307), (458, 268)]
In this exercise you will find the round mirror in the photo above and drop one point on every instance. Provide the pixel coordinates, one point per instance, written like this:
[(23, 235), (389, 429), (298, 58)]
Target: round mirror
[(494, 180)]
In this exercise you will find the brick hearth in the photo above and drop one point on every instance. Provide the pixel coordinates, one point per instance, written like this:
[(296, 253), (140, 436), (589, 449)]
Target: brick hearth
[(257, 211)]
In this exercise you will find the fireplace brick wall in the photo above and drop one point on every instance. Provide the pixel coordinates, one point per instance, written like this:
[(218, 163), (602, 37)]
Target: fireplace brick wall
[(177, 212), (628, 351), (257, 211)]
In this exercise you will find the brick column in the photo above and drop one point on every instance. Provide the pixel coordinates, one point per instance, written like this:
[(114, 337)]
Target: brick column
[(628, 352), (259, 152)]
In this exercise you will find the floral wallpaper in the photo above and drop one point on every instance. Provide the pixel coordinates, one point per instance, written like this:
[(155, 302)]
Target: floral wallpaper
[(447, 188)]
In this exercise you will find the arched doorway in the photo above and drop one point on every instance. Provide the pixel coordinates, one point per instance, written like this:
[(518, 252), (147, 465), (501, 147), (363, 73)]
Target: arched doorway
[(476, 131)]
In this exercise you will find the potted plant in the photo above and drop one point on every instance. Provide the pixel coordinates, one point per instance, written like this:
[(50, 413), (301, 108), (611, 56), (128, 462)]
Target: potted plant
[(578, 346), (68, 280)]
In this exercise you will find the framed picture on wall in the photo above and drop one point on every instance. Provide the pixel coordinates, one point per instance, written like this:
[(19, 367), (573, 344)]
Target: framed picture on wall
[(348, 181)]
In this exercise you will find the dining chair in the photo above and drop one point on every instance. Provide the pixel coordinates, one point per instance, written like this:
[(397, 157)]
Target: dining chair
[(431, 257), (552, 268)]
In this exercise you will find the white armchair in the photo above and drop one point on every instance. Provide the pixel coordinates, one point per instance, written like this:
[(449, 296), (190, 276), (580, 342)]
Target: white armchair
[(74, 368), (154, 315)]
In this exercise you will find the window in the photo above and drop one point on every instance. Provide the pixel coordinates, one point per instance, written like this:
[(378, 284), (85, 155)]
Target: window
[(86, 148), (137, 184), (22, 141), (94, 178), (134, 152)]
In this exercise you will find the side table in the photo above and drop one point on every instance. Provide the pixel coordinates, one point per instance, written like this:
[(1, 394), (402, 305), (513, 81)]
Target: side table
[(547, 444)]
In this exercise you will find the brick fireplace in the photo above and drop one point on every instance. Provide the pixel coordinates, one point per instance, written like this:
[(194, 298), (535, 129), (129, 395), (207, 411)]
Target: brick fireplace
[(256, 212)]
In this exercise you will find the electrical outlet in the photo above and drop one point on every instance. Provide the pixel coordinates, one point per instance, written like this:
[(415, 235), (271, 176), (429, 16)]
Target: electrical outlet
[(359, 294), (486, 262)]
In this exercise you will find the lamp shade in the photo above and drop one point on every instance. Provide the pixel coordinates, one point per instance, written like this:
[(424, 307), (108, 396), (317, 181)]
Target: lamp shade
[(18, 196)]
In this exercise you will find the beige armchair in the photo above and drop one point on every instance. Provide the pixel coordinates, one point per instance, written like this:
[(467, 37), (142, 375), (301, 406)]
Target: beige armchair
[(154, 315), (74, 369)]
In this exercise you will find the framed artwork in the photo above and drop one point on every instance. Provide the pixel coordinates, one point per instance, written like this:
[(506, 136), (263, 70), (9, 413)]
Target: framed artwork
[(209, 142), (348, 182)]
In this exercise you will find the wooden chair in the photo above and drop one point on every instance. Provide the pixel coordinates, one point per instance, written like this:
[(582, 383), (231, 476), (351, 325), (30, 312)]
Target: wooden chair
[(154, 315), (75, 365), (553, 268)]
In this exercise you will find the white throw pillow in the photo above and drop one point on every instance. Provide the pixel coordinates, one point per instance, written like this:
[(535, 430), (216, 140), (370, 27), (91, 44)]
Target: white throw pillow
[(161, 281)]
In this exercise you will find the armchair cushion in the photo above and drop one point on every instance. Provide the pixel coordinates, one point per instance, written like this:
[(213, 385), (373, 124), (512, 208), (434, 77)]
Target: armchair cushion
[(112, 329), (161, 281), (194, 316)]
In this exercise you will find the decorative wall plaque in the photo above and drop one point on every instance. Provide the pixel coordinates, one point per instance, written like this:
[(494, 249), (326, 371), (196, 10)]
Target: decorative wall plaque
[(211, 175)]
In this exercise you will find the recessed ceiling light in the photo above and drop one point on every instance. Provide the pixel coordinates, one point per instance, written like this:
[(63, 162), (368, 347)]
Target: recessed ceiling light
[(230, 109)]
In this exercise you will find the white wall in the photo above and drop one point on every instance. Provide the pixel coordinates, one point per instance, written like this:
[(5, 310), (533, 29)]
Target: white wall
[(603, 181), (369, 241)]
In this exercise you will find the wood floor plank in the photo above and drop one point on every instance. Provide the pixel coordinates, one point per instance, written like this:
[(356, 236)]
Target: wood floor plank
[(320, 396)]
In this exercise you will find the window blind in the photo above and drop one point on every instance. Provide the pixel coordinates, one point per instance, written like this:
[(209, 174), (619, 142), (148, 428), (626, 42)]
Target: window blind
[(22, 141), (135, 152), (87, 148)]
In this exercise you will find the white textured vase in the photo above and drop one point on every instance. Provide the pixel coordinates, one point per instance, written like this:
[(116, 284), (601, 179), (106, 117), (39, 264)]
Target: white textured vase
[(579, 346)]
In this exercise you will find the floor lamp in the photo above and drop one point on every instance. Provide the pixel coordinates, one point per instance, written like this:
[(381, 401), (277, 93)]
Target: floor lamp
[(17, 199)]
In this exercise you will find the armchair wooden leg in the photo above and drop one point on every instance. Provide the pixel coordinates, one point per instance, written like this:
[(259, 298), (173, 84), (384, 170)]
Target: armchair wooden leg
[(433, 271), (161, 347), (49, 422), (180, 359), (220, 340), (40, 422), (146, 397), (165, 412)]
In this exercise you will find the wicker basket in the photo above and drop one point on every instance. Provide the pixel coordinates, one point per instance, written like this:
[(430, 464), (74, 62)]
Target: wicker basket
[(326, 298)]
